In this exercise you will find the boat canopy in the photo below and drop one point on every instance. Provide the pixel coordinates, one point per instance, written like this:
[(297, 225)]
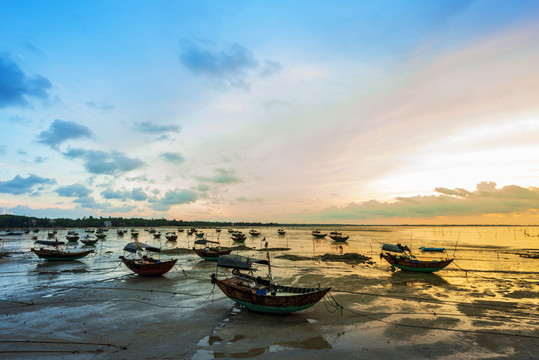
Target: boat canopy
[(395, 248), (239, 262), (49, 242), (204, 242), (132, 247)]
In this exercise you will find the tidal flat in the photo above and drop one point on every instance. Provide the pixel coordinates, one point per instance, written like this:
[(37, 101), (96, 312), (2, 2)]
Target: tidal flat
[(482, 306)]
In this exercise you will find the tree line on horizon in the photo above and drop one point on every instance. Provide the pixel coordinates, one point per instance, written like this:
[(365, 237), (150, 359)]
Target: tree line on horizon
[(21, 222)]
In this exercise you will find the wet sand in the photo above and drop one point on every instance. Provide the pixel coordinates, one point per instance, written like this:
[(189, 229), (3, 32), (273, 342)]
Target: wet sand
[(97, 308)]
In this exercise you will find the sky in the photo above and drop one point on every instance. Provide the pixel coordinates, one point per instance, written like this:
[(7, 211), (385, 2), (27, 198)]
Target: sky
[(348, 112)]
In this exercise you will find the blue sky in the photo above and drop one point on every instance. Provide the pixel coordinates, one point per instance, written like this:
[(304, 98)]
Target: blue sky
[(303, 111)]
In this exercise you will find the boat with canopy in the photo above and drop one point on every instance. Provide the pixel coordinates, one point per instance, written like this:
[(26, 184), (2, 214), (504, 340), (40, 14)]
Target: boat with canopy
[(143, 264)]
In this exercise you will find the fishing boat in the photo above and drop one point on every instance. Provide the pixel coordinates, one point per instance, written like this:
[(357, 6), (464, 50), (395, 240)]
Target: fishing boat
[(230, 230), (199, 234), (254, 232), (218, 230), (263, 295), (100, 235), (210, 250), (338, 236), (72, 237), (87, 240), (146, 265), (121, 232), (171, 236), (238, 236), (156, 235), (281, 232), (319, 235), (55, 253), (401, 257)]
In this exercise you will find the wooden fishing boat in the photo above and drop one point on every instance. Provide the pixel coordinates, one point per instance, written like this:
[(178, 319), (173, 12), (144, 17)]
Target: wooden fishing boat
[(171, 236), (281, 232), (56, 254), (156, 235), (89, 241), (218, 230), (101, 235), (263, 295), (238, 236), (254, 232), (401, 257), (72, 237), (146, 265), (209, 251), (338, 237), (319, 235)]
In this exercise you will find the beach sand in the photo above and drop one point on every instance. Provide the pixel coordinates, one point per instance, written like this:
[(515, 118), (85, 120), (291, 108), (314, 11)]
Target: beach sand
[(97, 308)]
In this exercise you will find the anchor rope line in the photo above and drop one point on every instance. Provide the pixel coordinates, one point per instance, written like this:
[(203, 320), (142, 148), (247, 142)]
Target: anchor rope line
[(370, 317)]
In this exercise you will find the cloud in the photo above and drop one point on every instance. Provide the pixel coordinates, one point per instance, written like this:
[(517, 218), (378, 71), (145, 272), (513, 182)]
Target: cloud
[(100, 106), (61, 131), (148, 127), (174, 197), (231, 66), (75, 190), (90, 203), (172, 157), (486, 199), (203, 187), (137, 194), (50, 213), (222, 177), (16, 86), (19, 185), (101, 162)]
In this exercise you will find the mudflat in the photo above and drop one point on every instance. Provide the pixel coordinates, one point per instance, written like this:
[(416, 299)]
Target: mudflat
[(484, 306)]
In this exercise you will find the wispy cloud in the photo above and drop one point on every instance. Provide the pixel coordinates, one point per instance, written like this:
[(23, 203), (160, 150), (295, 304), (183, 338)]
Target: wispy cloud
[(75, 190), (176, 158), (148, 127), (19, 185), (100, 106), (137, 194), (174, 197), (16, 86), (230, 66), (101, 162), (61, 131), (222, 176)]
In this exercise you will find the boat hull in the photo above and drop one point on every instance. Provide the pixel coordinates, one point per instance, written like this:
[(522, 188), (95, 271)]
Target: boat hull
[(211, 254), (286, 299), (148, 268), (56, 255), (416, 265)]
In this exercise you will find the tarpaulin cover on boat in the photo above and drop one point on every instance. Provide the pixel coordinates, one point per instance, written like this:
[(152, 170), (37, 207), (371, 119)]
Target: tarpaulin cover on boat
[(239, 262), (204, 242), (132, 247), (49, 242), (394, 248)]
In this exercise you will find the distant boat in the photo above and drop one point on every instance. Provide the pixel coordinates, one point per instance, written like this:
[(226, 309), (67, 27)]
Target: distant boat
[(230, 231), (218, 230), (145, 265), (401, 257), (180, 230), (263, 295), (89, 240), (238, 236), (100, 235), (171, 236), (281, 232), (254, 232), (199, 234), (210, 249), (72, 237), (156, 235), (338, 237), (319, 235), (55, 254)]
